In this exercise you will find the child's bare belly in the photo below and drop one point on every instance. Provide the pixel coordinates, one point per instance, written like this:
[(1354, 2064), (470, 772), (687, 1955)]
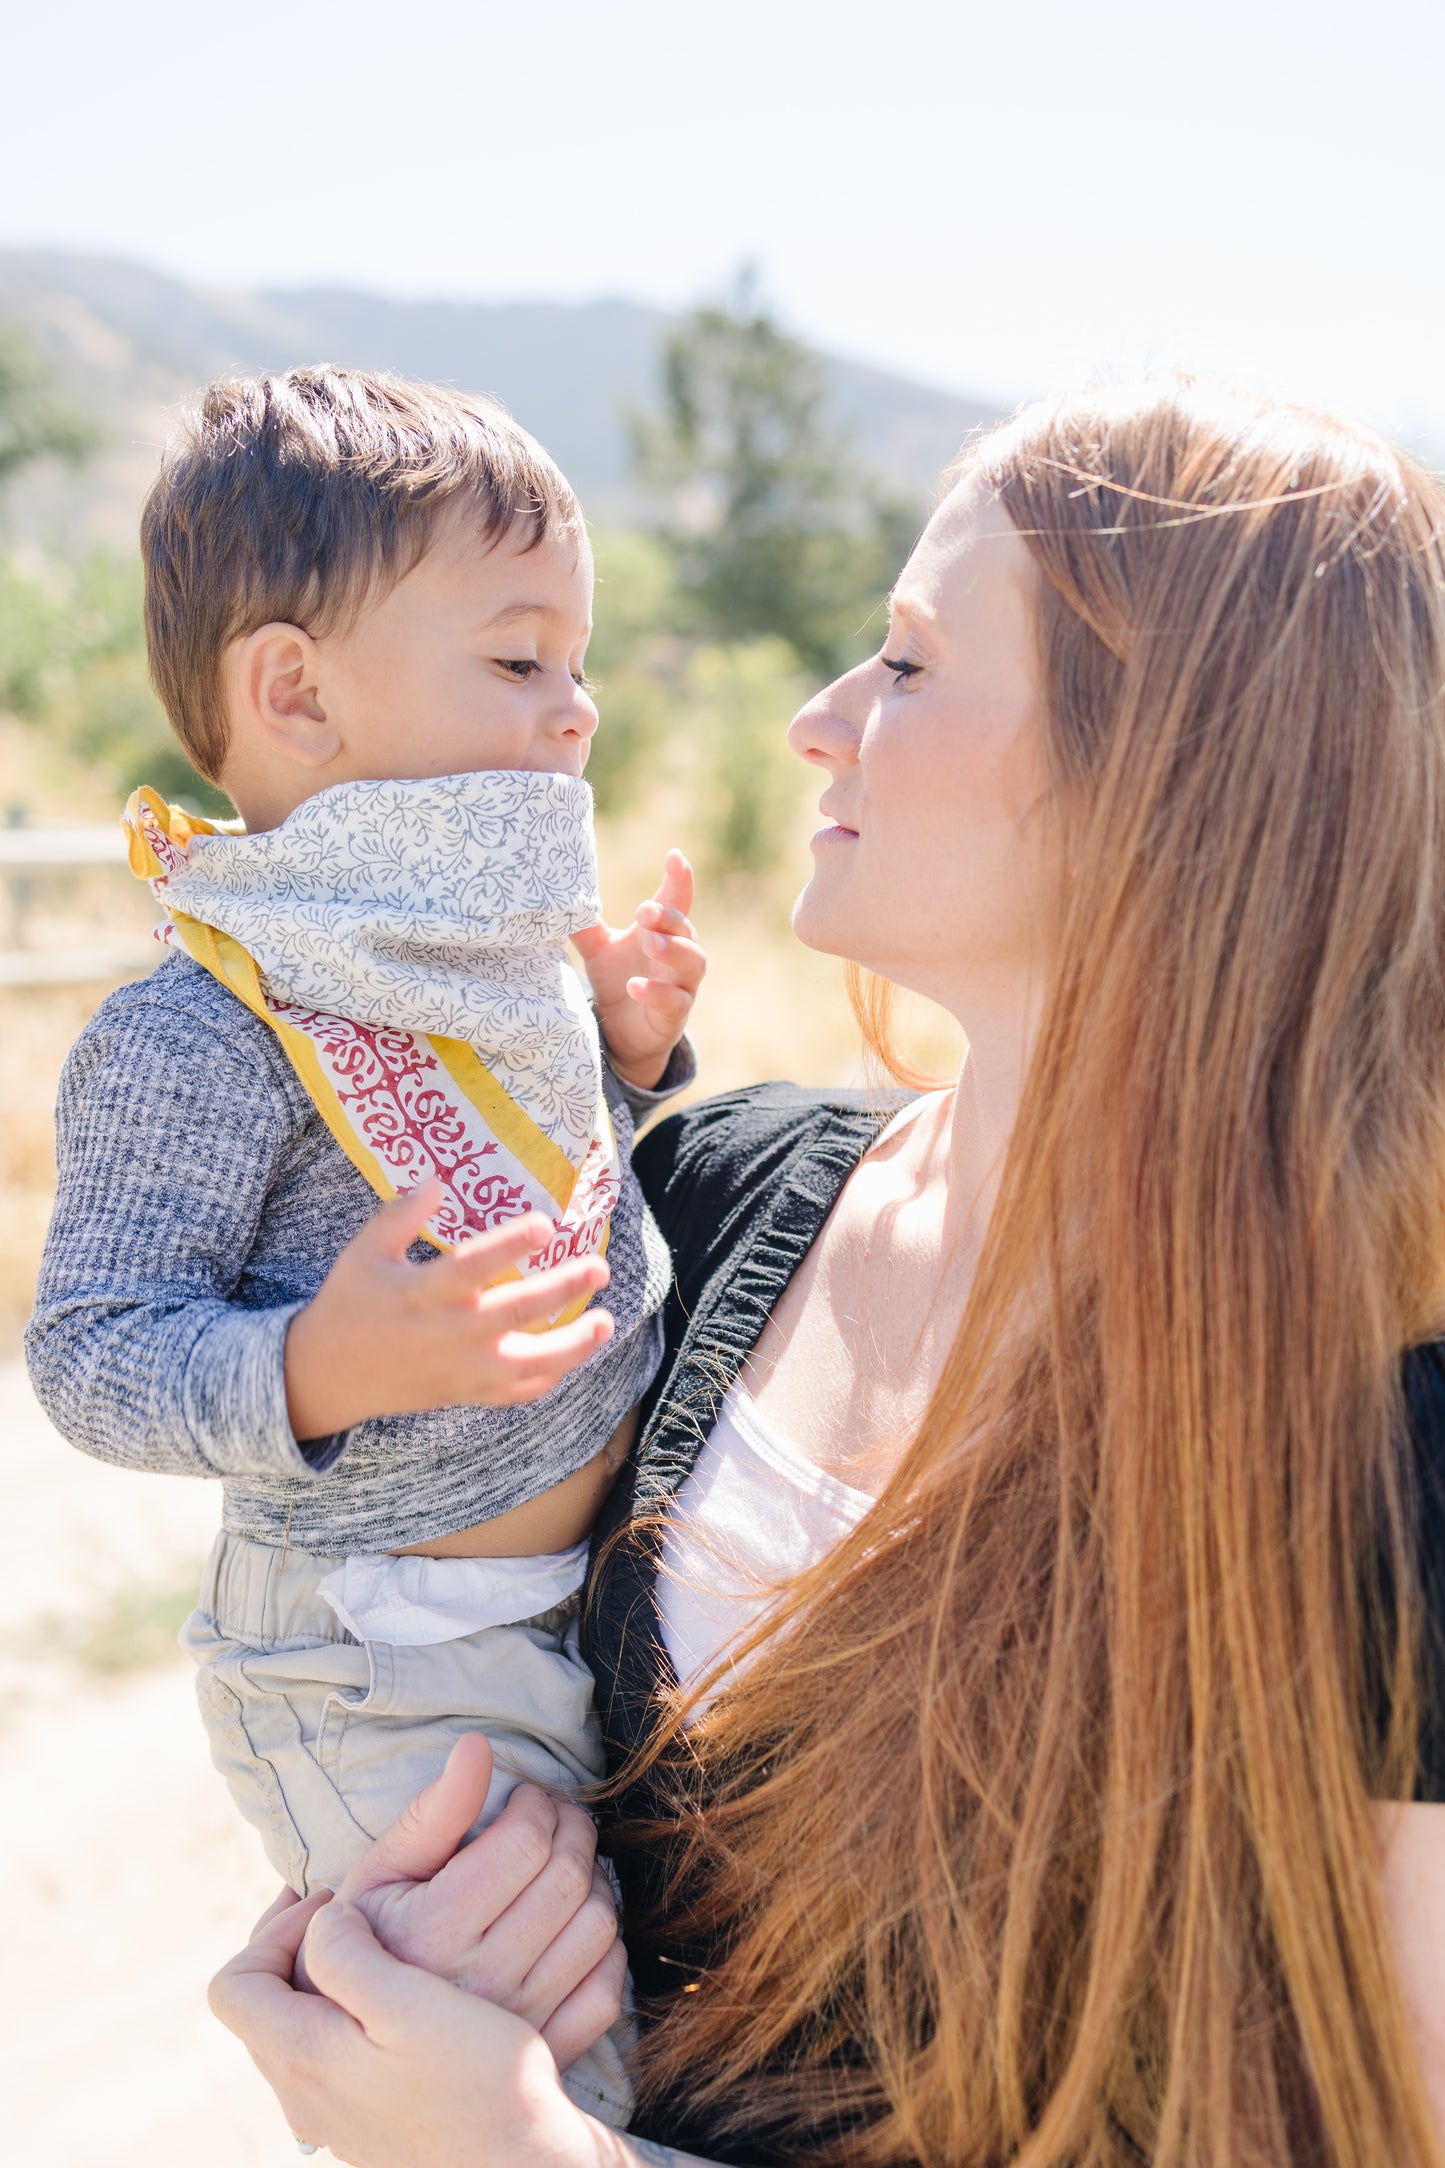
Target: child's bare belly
[(555, 1521)]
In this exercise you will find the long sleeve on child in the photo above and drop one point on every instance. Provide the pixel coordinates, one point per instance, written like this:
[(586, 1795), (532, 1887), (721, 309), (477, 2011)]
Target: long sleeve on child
[(152, 1345), (202, 1201)]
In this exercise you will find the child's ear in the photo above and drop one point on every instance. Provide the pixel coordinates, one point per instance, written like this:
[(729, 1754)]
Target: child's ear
[(275, 678)]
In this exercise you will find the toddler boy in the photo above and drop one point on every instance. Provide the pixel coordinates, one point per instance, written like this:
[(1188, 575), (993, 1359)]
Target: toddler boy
[(368, 604)]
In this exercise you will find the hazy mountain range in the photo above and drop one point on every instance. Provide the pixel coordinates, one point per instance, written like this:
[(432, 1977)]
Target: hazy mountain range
[(129, 343)]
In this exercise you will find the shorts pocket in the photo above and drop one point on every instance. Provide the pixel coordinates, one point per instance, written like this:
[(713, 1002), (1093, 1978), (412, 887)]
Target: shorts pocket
[(264, 1712), (253, 1780)]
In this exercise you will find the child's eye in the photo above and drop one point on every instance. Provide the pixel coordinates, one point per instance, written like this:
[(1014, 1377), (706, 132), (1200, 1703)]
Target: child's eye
[(521, 669), (580, 677), (901, 670)]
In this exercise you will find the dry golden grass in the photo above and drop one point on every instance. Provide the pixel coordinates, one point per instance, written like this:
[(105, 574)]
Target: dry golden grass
[(770, 1008), (36, 1028)]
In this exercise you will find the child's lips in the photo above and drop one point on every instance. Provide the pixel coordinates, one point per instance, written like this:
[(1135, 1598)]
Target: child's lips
[(836, 831)]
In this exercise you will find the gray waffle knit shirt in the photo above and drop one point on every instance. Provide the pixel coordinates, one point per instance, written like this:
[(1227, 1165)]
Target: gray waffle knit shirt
[(202, 1201)]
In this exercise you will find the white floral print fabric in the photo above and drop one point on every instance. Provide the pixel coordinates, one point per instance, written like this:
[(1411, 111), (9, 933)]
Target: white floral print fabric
[(440, 907)]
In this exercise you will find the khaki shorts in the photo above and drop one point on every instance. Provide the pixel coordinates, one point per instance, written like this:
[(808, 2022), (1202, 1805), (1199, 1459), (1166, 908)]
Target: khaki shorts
[(323, 1739)]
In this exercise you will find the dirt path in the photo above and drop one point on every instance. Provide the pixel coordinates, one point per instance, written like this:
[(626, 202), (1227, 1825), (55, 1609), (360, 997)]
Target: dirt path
[(125, 1877)]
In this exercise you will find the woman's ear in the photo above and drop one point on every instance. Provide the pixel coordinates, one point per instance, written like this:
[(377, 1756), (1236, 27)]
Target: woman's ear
[(276, 693)]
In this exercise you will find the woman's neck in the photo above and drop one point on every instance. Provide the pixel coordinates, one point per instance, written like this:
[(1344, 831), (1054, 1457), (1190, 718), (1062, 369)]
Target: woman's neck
[(846, 1363), (973, 1139)]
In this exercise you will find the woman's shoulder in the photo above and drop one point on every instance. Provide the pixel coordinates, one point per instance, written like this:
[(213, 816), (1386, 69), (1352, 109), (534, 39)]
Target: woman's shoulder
[(704, 1154), (705, 1170)]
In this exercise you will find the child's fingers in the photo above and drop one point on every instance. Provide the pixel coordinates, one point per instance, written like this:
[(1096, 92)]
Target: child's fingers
[(531, 1363), (675, 890), (518, 1305), (652, 918), (673, 961), (485, 1258), (525, 1355), (393, 1227), (668, 1007)]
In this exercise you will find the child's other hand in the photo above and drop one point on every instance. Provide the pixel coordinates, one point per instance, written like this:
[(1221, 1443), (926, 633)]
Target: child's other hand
[(645, 977), (523, 1916), (385, 1336)]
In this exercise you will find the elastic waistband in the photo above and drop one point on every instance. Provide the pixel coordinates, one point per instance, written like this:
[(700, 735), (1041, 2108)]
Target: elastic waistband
[(414, 1602)]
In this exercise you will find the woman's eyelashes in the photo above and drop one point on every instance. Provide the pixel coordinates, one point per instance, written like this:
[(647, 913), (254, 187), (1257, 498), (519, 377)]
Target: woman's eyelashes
[(902, 669)]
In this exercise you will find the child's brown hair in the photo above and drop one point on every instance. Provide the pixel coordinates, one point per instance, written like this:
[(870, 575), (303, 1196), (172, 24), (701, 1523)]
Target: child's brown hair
[(295, 498)]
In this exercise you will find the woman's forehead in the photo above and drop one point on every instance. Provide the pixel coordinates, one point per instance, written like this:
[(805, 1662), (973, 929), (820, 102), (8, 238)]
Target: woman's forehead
[(969, 552)]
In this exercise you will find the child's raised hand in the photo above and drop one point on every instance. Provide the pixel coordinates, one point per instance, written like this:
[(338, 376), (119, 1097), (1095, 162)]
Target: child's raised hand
[(645, 976), (385, 1336)]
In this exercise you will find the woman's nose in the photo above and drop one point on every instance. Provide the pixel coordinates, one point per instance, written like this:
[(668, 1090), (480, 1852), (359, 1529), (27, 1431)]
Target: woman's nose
[(825, 730)]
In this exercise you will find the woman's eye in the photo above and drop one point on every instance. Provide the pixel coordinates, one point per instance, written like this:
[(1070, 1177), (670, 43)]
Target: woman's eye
[(521, 669), (901, 670)]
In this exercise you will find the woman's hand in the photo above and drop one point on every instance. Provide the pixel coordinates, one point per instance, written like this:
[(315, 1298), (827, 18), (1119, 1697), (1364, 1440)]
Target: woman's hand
[(398, 2069), (522, 1916)]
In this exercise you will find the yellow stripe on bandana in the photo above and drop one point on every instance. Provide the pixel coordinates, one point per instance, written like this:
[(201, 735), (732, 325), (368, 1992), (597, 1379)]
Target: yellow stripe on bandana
[(403, 1106)]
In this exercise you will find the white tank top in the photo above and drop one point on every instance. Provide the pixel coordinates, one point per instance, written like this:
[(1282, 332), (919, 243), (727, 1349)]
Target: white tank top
[(752, 1515)]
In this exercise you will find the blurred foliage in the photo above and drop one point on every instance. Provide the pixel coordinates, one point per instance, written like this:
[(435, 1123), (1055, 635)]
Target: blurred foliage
[(772, 524), (72, 648), (72, 660), (782, 548), (738, 699), (36, 421), (634, 659)]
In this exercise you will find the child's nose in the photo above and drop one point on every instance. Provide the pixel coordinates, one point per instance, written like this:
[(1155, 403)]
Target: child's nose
[(582, 718), (579, 716)]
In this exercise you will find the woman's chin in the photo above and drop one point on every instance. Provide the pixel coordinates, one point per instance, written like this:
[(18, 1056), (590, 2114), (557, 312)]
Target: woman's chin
[(815, 925)]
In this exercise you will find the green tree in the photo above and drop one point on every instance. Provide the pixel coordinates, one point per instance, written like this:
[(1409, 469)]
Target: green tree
[(738, 701), (634, 659), (72, 644), (774, 527), (107, 712), (73, 662), (36, 421)]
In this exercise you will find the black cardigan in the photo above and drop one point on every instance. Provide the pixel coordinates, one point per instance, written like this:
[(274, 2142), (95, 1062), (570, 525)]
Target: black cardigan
[(741, 1186)]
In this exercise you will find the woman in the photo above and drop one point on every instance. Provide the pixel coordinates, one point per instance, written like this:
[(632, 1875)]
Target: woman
[(1049, 1813)]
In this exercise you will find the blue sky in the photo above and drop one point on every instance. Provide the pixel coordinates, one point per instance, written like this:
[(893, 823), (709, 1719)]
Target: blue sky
[(995, 199)]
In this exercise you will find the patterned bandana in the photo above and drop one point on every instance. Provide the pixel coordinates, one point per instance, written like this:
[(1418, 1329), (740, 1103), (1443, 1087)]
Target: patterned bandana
[(406, 942)]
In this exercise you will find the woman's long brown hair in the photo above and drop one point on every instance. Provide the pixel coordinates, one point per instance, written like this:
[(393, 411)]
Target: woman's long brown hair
[(1040, 1831)]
